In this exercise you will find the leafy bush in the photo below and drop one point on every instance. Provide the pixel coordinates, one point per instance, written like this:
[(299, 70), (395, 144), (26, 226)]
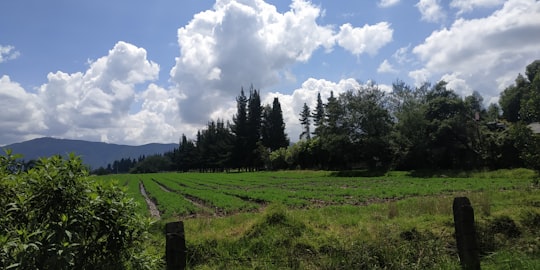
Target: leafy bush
[(54, 217)]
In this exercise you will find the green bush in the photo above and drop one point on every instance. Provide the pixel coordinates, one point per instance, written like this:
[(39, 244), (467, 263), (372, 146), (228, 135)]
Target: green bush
[(54, 217)]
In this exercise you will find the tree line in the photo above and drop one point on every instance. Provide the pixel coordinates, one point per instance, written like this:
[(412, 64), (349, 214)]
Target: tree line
[(411, 128)]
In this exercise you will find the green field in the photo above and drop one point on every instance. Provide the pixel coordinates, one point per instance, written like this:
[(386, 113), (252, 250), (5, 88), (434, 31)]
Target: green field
[(317, 220)]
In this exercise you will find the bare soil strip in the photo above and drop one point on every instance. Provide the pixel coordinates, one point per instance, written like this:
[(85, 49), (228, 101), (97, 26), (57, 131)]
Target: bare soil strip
[(206, 208), (154, 212), (164, 188)]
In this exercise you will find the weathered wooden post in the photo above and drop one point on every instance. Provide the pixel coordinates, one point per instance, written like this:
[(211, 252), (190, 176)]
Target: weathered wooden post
[(466, 234), (175, 246)]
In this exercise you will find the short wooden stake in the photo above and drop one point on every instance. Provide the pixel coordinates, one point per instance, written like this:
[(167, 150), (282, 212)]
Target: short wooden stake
[(466, 234), (175, 246)]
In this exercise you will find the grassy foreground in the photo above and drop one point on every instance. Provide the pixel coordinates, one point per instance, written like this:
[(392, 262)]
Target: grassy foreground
[(316, 220)]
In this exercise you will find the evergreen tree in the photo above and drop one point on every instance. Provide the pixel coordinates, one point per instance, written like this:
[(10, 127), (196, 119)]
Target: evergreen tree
[(318, 116), (274, 127), (253, 124), (266, 125), (305, 122), (240, 131)]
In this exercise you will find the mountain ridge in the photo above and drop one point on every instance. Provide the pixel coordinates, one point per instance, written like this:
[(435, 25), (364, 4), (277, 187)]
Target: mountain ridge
[(94, 154)]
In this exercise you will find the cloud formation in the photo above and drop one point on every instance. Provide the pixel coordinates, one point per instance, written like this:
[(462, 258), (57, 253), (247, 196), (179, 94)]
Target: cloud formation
[(22, 115), (367, 39), (239, 43), (388, 3), (497, 46), (465, 6), (8, 52), (386, 67), (431, 10)]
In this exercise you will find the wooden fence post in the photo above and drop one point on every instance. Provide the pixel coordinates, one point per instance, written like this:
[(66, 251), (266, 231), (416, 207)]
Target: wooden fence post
[(466, 234), (175, 246)]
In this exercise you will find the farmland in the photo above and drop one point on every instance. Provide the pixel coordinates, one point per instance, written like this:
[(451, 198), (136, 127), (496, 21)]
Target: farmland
[(322, 221)]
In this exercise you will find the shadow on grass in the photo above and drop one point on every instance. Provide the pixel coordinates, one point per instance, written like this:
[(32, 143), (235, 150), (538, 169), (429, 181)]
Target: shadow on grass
[(358, 173)]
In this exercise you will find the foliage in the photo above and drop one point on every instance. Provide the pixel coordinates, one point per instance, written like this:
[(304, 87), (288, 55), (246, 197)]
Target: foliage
[(55, 217), (153, 164), (273, 127), (305, 121)]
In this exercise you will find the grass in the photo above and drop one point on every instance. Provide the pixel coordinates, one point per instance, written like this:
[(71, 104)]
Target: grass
[(316, 220)]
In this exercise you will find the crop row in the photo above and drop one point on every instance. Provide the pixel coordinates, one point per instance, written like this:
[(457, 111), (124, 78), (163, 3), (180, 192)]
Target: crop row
[(168, 203), (225, 203), (232, 192)]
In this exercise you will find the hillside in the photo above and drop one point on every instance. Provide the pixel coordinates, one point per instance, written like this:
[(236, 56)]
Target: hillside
[(94, 154)]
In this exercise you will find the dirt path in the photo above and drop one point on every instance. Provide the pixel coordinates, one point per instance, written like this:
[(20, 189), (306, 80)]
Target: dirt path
[(207, 210), (154, 212)]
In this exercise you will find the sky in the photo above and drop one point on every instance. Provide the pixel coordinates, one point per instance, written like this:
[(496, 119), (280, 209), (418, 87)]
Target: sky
[(136, 72)]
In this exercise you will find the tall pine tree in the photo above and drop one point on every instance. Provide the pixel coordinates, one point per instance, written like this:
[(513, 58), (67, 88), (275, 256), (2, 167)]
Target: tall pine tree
[(253, 125), (239, 129), (318, 116), (274, 136), (305, 122)]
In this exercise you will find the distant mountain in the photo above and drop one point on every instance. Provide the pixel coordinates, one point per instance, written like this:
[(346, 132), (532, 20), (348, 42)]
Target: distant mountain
[(94, 154)]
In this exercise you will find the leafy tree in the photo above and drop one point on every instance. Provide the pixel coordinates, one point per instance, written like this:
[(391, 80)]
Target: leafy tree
[(493, 112), (369, 126), (511, 100), (153, 164), (54, 217), (411, 128), (451, 130), (305, 121)]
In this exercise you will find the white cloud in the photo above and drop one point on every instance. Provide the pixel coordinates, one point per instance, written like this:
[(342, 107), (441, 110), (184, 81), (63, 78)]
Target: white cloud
[(420, 76), (401, 55), (21, 117), (431, 10), (366, 39), (488, 52), (464, 6), (457, 83), (94, 105), (292, 104), (101, 95), (388, 3), (386, 67), (239, 43), (8, 53)]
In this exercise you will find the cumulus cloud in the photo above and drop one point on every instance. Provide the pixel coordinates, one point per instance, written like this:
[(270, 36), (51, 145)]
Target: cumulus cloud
[(431, 10), (95, 104), (8, 52), (239, 43), (388, 3), (488, 52), (367, 39), (386, 67), (242, 43), (21, 117), (464, 6), (236, 43), (420, 76), (292, 104), (101, 95)]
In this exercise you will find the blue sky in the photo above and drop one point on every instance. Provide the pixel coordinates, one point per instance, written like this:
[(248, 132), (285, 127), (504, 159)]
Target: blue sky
[(135, 72)]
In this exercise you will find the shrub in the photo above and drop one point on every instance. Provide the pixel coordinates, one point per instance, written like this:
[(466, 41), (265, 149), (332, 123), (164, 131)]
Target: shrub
[(55, 217)]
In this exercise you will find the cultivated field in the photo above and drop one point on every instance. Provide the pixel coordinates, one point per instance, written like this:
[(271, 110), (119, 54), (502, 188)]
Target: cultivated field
[(319, 220)]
